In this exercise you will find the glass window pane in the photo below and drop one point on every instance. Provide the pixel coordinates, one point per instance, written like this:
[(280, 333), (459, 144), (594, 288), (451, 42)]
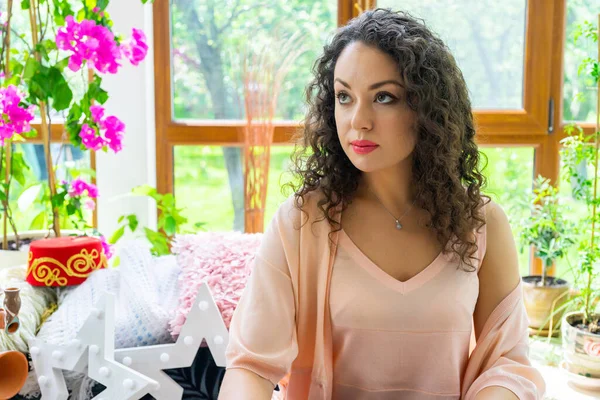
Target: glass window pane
[(203, 187), (206, 40), (487, 39), (27, 209), (279, 176), (510, 176), (579, 91)]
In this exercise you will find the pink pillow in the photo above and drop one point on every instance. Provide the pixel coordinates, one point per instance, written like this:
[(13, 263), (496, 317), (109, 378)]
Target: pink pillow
[(223, 260)]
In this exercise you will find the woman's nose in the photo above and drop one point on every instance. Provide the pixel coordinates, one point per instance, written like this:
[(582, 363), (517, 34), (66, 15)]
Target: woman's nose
[(362, 119)]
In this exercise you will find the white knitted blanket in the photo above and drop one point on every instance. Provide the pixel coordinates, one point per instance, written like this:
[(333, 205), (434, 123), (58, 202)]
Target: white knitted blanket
[(146, 297)]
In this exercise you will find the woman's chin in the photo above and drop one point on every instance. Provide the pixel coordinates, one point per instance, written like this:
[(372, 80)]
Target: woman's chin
[(366, 166)]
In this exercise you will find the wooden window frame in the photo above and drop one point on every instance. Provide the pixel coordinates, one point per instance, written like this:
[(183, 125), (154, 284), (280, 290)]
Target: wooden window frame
[(529, 126)]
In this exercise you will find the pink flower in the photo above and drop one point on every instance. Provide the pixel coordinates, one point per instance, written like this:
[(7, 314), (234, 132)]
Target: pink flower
[(89, 138), (106, 247), (135, 48), (97, 113), (90, 204), (114, 133), (592, 348), (14, 118), (111, 127), (79, 187), (87, 41), (98, 11)]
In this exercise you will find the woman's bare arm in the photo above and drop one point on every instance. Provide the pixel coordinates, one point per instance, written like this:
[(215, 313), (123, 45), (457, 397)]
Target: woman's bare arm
[(241, 384)]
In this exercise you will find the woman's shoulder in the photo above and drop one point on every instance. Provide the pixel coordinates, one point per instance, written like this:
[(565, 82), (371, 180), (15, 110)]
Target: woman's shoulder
[(302, 208)]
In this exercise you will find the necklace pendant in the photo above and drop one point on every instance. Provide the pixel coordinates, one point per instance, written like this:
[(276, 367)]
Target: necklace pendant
[(398, 225)]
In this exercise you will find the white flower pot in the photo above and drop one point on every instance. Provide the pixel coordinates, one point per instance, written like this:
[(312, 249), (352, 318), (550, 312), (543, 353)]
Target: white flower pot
[(581, 349)]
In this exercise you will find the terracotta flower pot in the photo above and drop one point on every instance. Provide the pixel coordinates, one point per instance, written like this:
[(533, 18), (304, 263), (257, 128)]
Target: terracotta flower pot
[(538, 302), (13, 373), (581, 349), (2, 318)]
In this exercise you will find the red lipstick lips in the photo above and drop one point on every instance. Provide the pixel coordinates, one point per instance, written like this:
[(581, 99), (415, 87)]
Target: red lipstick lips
[(363, 146)]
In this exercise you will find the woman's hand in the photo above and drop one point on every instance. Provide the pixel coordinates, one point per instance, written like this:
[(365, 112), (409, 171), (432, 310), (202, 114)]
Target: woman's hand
[(495, 393)]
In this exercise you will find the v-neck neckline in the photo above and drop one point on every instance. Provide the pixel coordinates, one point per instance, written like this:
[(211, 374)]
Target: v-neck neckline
[(404, 287)]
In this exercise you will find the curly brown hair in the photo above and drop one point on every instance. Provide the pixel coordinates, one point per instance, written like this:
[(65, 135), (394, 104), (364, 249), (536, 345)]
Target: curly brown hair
[(445, 160)]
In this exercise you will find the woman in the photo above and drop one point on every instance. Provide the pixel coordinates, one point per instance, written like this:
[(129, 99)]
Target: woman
[(371, 279)]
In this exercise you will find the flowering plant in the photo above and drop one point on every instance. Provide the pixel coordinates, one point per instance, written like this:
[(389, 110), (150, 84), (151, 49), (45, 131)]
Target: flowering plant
[(37, 61)]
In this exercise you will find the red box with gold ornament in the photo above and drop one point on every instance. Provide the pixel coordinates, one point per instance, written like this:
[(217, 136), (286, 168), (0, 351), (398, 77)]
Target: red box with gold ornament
[(64, 261)]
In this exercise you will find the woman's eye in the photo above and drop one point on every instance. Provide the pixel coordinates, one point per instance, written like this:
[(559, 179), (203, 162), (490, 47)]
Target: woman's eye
[(341, 97), (385, 98)]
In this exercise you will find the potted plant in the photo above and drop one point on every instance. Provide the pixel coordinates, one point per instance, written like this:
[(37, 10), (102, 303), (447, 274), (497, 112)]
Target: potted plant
[(549, 232), (580, 330), (38, 63)]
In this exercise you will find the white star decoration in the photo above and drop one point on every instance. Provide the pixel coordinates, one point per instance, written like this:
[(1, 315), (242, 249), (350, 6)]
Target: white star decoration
[(139, 370)]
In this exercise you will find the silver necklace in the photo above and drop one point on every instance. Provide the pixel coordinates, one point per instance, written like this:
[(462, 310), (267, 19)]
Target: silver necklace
[(398, 224)]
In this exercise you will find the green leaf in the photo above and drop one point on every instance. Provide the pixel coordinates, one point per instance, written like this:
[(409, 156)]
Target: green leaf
[(116, 262), (62, 64), (133, 222), (39, 222), (25, 5), (2, 196), (15, 66), (170, 225), (118, 234), (60, 90), (19, 166), (74, 113), (80, 15), (102, 96), (39, 85), (31, 67), (58, 199), (59, 20), (28, 196), (90, 4), (159, 243), (168, 200), (71, 209), (146, 190)]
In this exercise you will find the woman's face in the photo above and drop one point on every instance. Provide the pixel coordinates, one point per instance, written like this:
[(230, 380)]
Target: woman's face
[(375, 125)]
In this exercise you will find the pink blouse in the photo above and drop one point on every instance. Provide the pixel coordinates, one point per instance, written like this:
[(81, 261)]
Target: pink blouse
[(394, 339)]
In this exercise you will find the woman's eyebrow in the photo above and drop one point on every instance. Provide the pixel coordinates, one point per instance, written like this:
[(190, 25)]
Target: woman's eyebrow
[(373, 86)]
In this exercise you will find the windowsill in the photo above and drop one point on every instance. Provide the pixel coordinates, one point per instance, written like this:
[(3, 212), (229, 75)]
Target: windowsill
[(545, 357)]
